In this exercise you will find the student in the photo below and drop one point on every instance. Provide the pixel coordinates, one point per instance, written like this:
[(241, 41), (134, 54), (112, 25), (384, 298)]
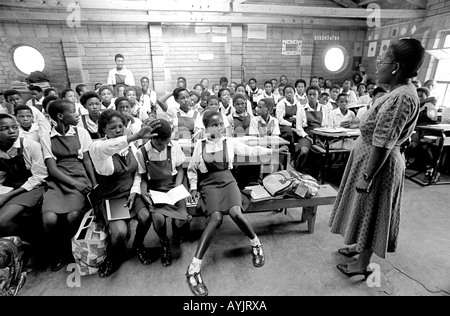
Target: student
[(69, 95), (5, 107), (182, 83), (198, 88), (148, 98), (361, 90), (223, 83), (275, 87), (334, 92), (253, 92), (119, 90), (342, 116), (286, 113), (203, 102), (300, 95), (324, 99), (327, 85), (226, 103), (47, 101), (136, 108), (115, 161), (213, 105), (132, 124), (184, 118), (161, 168), (120, 74), (81, 89), (314, 81), (27, 128), (347, 88), (240, 89), (239, 119), (50, 91), (232, 88), (106, 94), (215, 89), (89, 119), (427, 112), (22, 168), (209, 174), (416, 83), (366, 98), (322, 83), (268, 93), (195, 100), (316, 116), (205, 85), (284, 80), (264, 124), (97, 86), (36, 98), (280, 90), (71, 178)]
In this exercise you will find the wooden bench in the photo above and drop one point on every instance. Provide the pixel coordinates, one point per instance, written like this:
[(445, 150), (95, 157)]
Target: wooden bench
[(326, 196)]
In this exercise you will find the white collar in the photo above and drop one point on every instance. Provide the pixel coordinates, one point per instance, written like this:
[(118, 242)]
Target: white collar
[(70, 132)]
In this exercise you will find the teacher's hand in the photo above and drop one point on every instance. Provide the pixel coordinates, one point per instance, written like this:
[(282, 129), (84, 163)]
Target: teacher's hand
[(363, 186)]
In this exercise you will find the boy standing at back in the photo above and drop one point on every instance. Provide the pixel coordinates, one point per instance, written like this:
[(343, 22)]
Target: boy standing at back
[(120, 74)]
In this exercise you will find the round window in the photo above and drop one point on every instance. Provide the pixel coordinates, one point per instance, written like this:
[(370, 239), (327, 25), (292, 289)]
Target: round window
[(28, 59), (335, 59)]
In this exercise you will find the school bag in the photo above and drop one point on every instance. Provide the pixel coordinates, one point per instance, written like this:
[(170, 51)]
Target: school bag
[(292, 184), (12, 278)]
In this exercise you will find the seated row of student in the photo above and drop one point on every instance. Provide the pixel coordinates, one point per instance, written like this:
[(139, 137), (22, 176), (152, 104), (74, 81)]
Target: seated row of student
[(115, 161), (71, 177), (22, 168), (209, 174)]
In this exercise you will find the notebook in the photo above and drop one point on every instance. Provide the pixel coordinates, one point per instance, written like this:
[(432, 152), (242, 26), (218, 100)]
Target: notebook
[(116, 209), (258, 192), (4, 190), (171, 197)]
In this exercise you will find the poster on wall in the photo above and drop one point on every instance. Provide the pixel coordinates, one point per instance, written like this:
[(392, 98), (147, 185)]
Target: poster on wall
[(372, 49), (394, 31), (291, 47), (384, 47), (257, 31), (358, 49), (404, 30)]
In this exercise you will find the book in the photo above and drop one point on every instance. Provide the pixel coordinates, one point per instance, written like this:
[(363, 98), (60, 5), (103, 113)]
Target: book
[(171, 197), (4, 190), (259, 193), (116, 209)]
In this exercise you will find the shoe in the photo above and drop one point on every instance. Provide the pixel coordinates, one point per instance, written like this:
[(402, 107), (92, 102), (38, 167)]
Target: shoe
[(108, 267), (347, 253), (258, 256), (344, 269), (196, 285), (144, 255), (57, 265), (166, 256)]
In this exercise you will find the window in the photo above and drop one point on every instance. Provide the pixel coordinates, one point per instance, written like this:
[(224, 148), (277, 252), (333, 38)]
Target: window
[(28, 59), (442, 76), (335, 59)]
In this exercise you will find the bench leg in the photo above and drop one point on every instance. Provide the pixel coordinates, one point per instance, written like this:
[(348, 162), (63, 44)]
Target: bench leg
[(309, 215)]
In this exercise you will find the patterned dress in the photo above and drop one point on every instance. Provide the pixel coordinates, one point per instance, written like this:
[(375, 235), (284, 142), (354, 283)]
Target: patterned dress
[(371, 220)]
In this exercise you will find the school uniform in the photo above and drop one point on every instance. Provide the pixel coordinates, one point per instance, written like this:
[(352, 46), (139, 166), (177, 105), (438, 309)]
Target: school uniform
[(148, 100), (302, 99), (35, 103), (22, 166), (161, 170), (199, 121), (253, 95), (264, 95), (362, 111), (123, 76), (31, 134), (314, 118), (110, 106), (365, 99), (210, 172), (240, 124), (184, 123), (335, 118), (138, 111), (286, 114), (68, 152), (90, 126), (259, 127), (115, 162), (352, 98), (226, 111)]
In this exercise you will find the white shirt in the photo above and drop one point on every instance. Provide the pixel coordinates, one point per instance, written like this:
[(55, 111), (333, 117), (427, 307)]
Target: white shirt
[(254, 94), (234, 147), (178, 157), (301, 120), (90, 124), (365, 99), (30, 102), (335, 118), (199, 121), (83, 135), (254, 128), (352, 98), (129, 78), (102, 153), (32, 155), (362, 111), (302, 99), (281, 111), (265, 96), (147, 100), (226, 111), (32, 134), (191, 114)]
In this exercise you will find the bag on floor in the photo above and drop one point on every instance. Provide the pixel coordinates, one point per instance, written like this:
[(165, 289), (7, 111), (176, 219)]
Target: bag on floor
[(89, 245), (12, 278), (291, 183)]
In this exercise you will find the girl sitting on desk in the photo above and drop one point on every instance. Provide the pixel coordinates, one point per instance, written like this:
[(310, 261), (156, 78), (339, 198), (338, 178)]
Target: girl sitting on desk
[(114, 159)]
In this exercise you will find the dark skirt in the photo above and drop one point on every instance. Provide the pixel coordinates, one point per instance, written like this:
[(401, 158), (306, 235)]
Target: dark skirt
[(219, 192), (28, 199), (177, 211)]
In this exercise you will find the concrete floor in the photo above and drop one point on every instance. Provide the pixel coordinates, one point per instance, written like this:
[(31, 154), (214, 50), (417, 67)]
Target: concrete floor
[(297, 264)]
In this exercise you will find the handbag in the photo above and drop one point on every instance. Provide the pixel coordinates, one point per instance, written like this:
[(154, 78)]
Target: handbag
[(89, 245), (291, 183), (12, 278)]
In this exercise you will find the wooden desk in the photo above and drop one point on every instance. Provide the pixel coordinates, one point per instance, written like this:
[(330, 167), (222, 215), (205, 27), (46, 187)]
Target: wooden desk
[(442, 131), (329, 137), (325, 196)]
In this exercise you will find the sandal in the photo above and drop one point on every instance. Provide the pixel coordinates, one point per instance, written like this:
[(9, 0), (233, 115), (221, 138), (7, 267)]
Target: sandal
[(347, 253), (195, 281)]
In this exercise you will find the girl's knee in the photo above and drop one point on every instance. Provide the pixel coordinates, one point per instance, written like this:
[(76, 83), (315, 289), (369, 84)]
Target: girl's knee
[(144, 216), (158, 219), (74, 217), (235, 212), (49, 219), (216, 219), (304, 151), (119, 231)]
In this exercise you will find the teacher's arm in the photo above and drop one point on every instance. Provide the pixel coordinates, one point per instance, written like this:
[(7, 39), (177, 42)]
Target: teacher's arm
[(376, 161)]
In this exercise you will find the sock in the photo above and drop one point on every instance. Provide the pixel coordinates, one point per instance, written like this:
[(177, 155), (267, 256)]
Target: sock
[(255, 241), (195, 266)]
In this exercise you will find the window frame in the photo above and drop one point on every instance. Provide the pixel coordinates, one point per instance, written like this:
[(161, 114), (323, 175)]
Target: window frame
[(13, 51), (346, 58)]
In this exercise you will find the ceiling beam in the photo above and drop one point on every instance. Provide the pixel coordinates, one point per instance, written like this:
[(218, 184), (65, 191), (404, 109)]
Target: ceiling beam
[(158, 17), (186, 6)]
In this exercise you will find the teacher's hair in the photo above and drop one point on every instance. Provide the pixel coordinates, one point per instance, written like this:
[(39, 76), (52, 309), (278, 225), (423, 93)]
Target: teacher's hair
[(410, 53)]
